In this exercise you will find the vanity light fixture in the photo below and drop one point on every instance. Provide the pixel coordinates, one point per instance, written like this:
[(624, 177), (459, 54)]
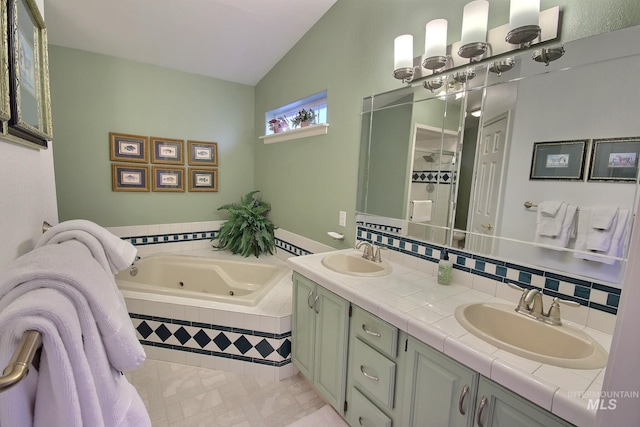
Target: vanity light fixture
[(475, 17), (403, 58), (501, 66), (435, 44), (524, 18), (433, 84), (548, 54), (464, 76)]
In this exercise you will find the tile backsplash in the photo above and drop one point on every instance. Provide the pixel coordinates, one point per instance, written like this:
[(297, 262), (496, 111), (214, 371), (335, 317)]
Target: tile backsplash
[(589, 294)]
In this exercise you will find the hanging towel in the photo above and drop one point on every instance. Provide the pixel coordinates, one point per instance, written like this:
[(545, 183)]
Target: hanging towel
[(421, 210), (75, 384), (603, 217), (113, 253), (617, 240), (549, 207), (70, 268), (567, 230), (550, 225)]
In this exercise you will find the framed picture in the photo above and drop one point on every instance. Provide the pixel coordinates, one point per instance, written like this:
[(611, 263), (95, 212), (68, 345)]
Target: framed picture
[(128, 148), (167, 178), (30, 99), (615, 159), (203, 179), (203, 153), (129, 178), (167, 151), (560, 160)]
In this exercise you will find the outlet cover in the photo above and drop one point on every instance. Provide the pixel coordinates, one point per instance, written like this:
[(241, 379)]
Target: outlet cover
[(342, 219)]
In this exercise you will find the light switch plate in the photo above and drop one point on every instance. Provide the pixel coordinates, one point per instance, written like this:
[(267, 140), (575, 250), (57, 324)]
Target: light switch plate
[(342, 219)]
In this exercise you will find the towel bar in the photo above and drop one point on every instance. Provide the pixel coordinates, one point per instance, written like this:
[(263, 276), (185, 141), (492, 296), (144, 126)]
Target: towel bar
[(18, 366), (530, 205)]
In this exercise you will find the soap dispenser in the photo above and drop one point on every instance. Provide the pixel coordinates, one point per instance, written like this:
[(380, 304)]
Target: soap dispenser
[(445, 269)]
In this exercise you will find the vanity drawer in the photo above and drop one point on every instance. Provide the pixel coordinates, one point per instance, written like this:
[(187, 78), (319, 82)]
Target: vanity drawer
[(374, 373), (364, 413), (374, 331)]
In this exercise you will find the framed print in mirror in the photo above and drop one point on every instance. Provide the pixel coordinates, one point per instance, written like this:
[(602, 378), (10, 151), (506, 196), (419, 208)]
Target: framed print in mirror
[(5, 106), (558, 160), (203, 179), (28, 73), (129, 178), (167, 151), (128, 148), (203, 153), (167, 178), (615, 159)]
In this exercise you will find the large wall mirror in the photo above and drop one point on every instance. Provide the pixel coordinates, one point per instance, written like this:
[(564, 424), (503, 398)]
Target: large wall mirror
[(456, 166)]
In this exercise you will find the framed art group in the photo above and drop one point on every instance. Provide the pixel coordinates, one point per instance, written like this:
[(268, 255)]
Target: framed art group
[(605, 160), (167, 172)]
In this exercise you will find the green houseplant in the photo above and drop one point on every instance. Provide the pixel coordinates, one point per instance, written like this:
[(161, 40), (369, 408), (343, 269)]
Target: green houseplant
[(247, 231), (304, 118)]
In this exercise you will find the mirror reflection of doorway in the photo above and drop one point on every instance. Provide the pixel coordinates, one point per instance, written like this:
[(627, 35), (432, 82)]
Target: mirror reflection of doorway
[(488, 184)]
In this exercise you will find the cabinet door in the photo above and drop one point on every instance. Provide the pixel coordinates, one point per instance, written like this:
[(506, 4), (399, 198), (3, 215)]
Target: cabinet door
[(303, 325), (331, 347), (439, 391), (498, 407)]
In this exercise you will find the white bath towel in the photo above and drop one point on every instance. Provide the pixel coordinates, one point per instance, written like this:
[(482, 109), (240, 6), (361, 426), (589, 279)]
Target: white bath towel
[(547, 224), (421, 210), (75, 384), (549, 207), (566, 233), (70, 268), (603, 217), (616, 246), (113, 253)]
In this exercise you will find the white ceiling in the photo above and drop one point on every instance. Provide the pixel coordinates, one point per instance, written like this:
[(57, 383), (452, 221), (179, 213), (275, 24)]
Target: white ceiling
[(235, 40)]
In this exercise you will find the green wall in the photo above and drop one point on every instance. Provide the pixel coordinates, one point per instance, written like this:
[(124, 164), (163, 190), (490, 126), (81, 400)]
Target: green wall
[(349, 52), (93, 95)]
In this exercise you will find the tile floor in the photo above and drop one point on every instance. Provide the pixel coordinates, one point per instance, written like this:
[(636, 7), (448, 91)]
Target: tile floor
[(184, 396)]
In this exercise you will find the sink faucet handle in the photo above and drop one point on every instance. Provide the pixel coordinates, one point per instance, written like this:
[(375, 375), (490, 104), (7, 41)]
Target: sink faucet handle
[(554, 311), (376, 256)]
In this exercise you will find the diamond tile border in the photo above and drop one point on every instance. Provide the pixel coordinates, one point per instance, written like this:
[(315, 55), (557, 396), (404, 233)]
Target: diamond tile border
[(595, 295), (263, 348), (433, 177)]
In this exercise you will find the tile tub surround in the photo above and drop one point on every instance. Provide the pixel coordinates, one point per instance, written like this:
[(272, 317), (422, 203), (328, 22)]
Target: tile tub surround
[(250, 340), (413, 301), (593, 295)]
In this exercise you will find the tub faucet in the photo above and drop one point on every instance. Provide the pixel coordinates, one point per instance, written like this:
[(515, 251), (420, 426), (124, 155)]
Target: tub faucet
[(367, 252)]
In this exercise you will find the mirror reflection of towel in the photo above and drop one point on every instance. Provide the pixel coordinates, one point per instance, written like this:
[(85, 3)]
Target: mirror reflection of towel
[(421, 210)]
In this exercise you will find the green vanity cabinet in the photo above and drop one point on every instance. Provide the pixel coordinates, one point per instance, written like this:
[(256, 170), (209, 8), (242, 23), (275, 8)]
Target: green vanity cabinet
[(376, 368), (499, 407), (319, 336), (438, 390)]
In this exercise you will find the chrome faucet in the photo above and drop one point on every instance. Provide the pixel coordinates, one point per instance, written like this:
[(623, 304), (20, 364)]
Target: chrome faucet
[(367, 252), (530, 304)]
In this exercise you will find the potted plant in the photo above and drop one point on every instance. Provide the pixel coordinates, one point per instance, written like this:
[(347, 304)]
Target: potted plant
[(304, 118), (247, 231), (278, 124)]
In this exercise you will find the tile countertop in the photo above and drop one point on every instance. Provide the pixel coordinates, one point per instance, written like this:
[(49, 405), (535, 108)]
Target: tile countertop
[(415, 303)]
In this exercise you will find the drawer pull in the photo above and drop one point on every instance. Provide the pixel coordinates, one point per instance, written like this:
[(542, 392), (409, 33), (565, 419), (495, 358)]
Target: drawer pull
[(315, 304), (370, 332), (483, 403), (465, 390), (371, 377), (308, 300), (361, 421)]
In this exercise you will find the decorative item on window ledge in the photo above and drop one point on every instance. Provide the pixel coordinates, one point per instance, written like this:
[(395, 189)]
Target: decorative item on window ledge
[(278, 124), (304, 118)]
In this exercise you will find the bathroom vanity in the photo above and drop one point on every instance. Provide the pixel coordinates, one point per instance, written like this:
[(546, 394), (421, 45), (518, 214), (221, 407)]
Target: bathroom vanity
[(381, 358)]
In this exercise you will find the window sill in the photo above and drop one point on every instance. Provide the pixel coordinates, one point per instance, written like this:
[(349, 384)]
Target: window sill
[(312, 130)]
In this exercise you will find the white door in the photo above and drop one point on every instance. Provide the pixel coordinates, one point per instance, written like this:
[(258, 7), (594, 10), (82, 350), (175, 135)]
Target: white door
[(488, 185)]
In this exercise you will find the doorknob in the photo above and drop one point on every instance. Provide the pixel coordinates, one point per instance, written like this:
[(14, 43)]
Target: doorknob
[(487, 226)]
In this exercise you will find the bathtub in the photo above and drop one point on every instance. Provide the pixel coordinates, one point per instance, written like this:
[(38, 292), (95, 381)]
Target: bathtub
[(209, 279)]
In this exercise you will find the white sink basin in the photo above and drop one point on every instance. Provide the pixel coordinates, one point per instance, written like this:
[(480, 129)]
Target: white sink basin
[(355, 265), (501, 326)]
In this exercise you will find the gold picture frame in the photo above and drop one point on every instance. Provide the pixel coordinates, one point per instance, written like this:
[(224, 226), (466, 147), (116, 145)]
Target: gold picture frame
[(30, 98), (166, 178), (167, 151), (128, 148), (203, 180), (203, 153), (129, 177)]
